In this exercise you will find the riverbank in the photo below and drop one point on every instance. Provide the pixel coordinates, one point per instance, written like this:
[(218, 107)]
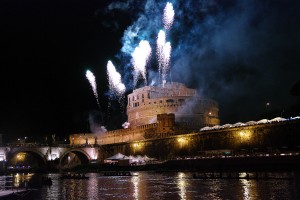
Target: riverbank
[(247, 163), (14, 194)]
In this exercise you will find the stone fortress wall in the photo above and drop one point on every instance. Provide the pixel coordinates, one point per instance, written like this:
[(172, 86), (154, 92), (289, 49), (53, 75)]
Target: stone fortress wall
[(157, 112), (165, 127)]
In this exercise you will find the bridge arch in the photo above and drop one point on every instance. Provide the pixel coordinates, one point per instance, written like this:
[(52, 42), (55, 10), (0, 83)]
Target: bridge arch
[(37, 155), (83, 156)]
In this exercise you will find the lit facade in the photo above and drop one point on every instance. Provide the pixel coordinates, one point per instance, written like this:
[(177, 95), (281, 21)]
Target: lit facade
[(144, 104), (158, 112)]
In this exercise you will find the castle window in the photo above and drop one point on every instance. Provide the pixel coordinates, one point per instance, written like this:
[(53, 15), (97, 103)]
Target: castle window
[(160, 101), (169, 100), (181, 100), (137, 97), (142, 95), (148, 95)]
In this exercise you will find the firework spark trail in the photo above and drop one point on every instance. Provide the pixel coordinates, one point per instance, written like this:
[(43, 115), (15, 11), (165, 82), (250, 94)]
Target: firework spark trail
[(163, 52), (141, 56), (166, 60), (114, 79), (160, 42), (168, 17), (91, 78)]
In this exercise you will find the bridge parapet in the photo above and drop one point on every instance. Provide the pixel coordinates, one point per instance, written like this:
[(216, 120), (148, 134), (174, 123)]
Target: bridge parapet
[(49, 153)]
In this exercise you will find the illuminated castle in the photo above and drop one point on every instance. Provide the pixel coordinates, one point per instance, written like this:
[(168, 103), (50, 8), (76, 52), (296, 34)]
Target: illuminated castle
[(157, 112), (144, 104)]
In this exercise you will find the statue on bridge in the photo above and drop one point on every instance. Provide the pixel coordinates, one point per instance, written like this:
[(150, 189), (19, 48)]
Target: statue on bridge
[(53, 138)]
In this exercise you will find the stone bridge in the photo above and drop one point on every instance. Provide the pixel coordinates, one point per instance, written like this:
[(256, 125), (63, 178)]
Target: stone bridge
[(44, 154)]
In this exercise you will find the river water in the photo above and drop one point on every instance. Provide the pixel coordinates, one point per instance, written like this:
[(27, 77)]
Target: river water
[(167, 185)]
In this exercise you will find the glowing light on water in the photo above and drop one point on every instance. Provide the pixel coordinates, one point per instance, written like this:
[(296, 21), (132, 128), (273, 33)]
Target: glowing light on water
[(114, 79), (182, 185), (168, 17), (141, 55), (91, 78)]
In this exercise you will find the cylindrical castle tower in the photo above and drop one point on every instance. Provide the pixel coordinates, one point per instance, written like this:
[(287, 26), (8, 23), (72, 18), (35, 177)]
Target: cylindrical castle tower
[(144, 104)]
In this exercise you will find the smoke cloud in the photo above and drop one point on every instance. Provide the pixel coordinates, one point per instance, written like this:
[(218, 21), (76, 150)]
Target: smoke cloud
[(241, 53), (95, 119)]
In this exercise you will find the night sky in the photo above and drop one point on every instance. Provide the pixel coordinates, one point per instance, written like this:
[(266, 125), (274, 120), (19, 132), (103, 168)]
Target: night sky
[(242, 53)]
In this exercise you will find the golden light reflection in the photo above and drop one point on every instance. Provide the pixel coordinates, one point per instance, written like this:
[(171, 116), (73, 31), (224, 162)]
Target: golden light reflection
[(246, 190), (135, 180), (181, 184), (250, 187), (21, 179)]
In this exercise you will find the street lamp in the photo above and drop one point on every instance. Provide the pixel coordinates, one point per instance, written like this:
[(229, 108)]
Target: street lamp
[(209, 118)]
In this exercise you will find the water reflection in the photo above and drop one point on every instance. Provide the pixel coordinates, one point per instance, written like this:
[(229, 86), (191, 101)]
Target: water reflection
[(93, 186), (246, 189), (135, 180), (181, 184), (151, 185)]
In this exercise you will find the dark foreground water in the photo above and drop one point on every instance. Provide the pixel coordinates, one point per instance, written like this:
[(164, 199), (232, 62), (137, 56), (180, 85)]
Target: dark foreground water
[(152, 185)]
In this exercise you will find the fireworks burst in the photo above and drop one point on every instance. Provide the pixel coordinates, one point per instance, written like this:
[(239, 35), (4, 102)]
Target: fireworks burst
[(140, 57), (166, 60), (168, 17), (114, 79), (160, 42), (163, 52), (91, 78)]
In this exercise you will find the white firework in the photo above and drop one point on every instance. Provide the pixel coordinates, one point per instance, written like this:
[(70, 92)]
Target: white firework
[(166, 60), (160, 43), (114, 79), (163, 52), (91, 78), (168, 17), (141, 55)]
